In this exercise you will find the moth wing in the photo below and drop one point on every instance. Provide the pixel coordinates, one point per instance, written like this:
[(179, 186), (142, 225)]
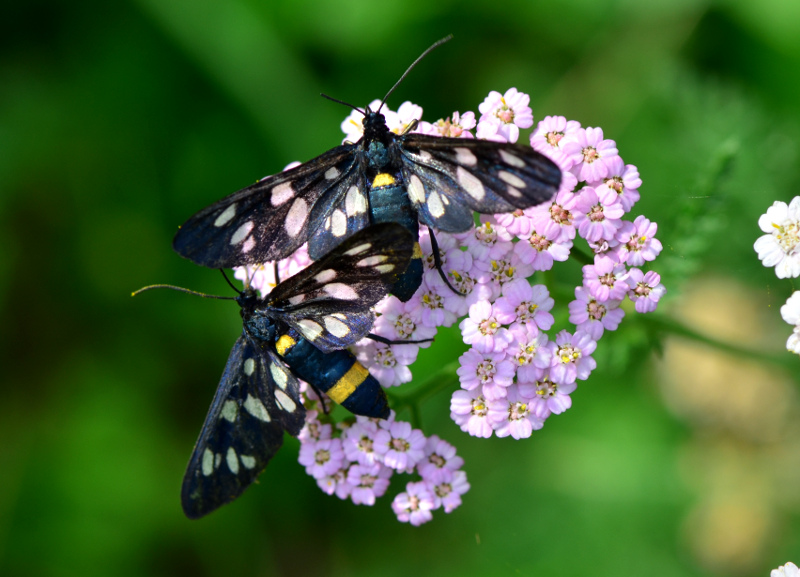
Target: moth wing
[(339, 217), (243, 429), (268, 220), (447, 178), (330, 301)]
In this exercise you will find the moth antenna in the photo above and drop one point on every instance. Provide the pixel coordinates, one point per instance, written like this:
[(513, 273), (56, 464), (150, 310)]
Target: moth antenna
[(413, 64), (227, 280), (356, 108), (180, 289)]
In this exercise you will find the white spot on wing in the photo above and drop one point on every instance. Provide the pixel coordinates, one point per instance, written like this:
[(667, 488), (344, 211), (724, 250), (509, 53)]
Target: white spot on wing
[(297, 299), (286, 403), (256, 408), (465, 156), (310, 329), (511, 159), (358, 249), (416, 190), (226, 215), (232, 460), (248, 245), (242, 232), (229, 411), (336, 327), (325, 276), (332, 173), (296, 217), (372, 260), (248, 461), (341, 291), (511, 179), (384, 268), (471, 184), (435, 205), (217, 460), (425, 156), (281, 193), (513, 191), (208, 462), (338, 223), (249, 367), (354, 202), (279, 375)]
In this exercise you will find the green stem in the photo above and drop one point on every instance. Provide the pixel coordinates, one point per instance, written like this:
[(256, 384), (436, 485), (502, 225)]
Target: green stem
[(444, 378), (581, 256), (668, 325)]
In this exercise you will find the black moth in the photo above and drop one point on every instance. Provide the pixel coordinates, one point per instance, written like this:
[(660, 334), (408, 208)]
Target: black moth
[(299, 330), (384, 177)]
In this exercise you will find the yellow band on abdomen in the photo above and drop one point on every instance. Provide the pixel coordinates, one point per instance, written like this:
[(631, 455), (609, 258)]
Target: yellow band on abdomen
[(284, 344), (383, 179), (417, 251), (345, 386)]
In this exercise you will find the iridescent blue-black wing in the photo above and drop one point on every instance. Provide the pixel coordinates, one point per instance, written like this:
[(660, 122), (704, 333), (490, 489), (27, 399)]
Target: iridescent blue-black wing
[(448, 178), (329, 302), (256, 401), (337, 217), (270, 219)]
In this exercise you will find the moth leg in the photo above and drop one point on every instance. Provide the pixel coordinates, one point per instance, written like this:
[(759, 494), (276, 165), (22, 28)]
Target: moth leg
[(385, 341), (437, 261), (321, 396), (412, 126)]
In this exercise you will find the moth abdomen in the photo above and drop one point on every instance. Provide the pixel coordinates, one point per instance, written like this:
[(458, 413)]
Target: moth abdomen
[(336, 373)]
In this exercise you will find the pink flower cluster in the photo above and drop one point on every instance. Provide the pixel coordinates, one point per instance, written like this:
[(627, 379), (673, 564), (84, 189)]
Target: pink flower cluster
[(516, 372), (357, 460)]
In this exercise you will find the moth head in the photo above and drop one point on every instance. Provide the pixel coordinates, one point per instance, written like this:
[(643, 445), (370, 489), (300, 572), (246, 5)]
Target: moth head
[(374, 124)]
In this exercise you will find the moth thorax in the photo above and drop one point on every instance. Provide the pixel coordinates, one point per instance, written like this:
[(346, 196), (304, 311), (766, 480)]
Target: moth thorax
[(261, 327), (377, 155)]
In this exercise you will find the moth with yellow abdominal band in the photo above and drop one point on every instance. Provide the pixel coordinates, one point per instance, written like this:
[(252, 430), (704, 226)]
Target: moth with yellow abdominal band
[(301, 329), (410, 178)]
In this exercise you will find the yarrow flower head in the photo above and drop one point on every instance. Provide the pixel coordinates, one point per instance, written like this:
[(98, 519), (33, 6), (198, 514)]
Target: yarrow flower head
[(507, 113), (524, 353), (788, 570), (780, 246)]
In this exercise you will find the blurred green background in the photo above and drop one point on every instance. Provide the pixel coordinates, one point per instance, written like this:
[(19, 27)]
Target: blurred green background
[(680, 456)]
